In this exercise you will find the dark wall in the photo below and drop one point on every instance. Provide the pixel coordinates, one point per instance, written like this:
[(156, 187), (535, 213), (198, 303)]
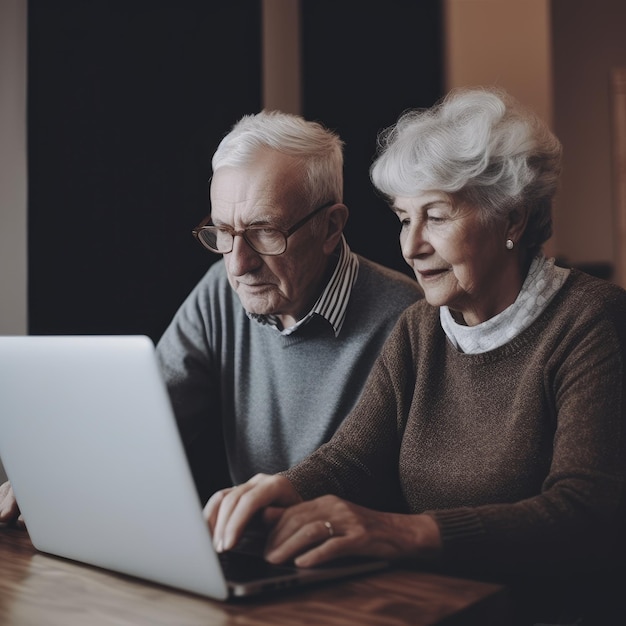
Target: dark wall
[(127, 101), (129, 98), (363, 64)]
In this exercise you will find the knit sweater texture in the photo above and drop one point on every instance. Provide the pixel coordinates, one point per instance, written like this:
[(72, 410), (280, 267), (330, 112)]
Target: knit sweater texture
[(518, 453), (270, 399)]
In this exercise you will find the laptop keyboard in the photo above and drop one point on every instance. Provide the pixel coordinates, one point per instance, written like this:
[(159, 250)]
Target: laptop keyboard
[(242, 567)]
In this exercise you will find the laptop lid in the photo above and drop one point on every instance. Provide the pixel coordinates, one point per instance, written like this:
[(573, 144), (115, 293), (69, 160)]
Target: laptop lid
[(90, 444)]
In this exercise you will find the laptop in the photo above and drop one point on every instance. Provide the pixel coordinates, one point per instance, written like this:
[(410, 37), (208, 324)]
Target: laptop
[(90, 444)]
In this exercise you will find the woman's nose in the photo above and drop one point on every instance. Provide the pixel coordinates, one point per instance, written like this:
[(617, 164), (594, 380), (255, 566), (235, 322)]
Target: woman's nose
[(413, 241)]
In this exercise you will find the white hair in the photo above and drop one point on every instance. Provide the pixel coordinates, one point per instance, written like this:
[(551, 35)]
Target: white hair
[(319, 149), (481, 146)]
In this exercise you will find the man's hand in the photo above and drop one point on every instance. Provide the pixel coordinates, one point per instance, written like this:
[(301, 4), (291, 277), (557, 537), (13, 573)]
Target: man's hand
[(229, 511), (9, 511)]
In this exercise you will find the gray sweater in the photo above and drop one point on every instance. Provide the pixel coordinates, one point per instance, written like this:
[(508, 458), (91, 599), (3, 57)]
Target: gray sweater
[(270, 399)]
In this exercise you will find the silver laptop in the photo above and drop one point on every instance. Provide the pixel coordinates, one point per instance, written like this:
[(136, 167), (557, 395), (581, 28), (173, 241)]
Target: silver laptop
[(89, 442)]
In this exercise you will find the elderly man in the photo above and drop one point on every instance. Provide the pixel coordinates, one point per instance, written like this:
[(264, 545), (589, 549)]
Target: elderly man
[(271, 349)]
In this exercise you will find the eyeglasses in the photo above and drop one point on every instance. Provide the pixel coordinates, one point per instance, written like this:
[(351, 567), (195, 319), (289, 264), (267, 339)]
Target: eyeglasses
[(265, 240)]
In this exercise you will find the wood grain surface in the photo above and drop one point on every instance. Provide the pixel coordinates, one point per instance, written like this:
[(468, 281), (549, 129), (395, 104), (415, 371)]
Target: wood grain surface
[(41, 590)]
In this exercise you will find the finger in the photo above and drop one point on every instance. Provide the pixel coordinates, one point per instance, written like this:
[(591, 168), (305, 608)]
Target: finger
[(284, 545), (329, 550), (226, 505), (272, 515), (212, 507), (299, 516), (241, 505), (236, 510)]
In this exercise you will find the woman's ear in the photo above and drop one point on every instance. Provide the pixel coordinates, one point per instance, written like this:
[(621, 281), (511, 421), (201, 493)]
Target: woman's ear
[(518, 219), (337, 218)]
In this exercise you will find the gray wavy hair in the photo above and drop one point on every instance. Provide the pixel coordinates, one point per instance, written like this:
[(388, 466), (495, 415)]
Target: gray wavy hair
[(482, 147), (319, 149)]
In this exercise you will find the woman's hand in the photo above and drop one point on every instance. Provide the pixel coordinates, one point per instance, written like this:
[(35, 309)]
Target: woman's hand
[(229, 511), (328, 527)]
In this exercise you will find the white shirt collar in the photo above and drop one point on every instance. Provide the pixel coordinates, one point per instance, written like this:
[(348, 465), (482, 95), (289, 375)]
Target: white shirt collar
[(333, 301)]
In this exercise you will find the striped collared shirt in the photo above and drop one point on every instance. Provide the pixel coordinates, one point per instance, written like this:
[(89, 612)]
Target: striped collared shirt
[(333, 301)]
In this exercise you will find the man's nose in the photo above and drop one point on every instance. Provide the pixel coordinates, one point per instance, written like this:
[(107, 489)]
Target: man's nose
[(242, 258)]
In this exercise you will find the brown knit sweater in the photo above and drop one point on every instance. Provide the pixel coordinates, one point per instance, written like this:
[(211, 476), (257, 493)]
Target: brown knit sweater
[(518, 453)]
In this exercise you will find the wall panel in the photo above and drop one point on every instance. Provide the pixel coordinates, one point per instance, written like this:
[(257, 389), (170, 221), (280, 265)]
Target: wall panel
[(363, 64), (127, 101)]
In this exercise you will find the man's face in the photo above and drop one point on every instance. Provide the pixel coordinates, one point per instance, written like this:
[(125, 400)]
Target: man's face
[(270, 192)]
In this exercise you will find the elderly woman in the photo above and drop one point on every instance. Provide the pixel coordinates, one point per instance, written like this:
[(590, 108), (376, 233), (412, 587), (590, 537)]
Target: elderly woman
[(490, 434)]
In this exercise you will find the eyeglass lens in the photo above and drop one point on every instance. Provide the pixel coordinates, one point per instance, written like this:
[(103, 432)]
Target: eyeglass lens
[(263, 240)]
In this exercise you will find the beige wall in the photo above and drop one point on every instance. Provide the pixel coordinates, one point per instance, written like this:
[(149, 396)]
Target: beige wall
[(561, 67), (589, 40), (13, 167), (505, 43), (282, 89), (501, 42)]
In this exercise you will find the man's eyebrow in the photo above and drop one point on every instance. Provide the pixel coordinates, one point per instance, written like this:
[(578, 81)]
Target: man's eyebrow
[(263, 221), (258, 221)]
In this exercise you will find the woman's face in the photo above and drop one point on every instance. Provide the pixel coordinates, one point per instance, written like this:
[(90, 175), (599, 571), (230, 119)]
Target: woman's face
[(458, 260)]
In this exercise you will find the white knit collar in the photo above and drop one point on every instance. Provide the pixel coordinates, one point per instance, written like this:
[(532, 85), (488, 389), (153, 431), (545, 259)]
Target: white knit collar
[(542, 283)]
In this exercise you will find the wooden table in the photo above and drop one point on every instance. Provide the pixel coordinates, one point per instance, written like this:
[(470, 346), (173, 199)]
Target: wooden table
[(36, 589)]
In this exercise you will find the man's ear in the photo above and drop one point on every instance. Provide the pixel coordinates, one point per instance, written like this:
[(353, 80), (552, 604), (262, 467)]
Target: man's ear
[(337, 217)]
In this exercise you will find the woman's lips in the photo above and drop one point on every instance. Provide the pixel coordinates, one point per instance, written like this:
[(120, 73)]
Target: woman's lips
[(432, 273)]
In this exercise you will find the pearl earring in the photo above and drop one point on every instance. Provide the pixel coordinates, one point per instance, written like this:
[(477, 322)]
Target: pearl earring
[(509, 244)]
